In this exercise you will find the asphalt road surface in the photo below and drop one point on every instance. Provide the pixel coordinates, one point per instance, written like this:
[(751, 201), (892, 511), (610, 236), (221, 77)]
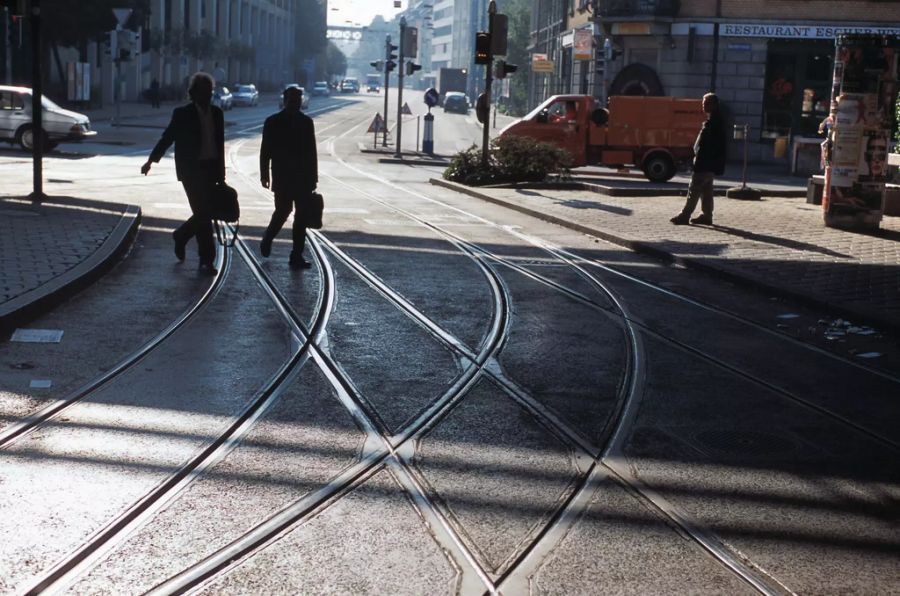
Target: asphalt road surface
[(456, 398)]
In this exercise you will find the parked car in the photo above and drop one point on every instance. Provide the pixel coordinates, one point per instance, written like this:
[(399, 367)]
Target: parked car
[(321, 88), (349, 85), (245, 95), (222, 97), (454, 101), (59, 125), (304, 102)]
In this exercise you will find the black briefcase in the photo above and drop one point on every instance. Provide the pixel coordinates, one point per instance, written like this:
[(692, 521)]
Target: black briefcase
[(225, 206), (226, 210), (315, 207)]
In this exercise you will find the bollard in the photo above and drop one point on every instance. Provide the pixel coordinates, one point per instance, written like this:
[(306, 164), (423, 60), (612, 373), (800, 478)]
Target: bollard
[(428, 134)]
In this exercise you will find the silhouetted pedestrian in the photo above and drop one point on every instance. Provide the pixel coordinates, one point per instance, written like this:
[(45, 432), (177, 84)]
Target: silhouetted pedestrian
[(289, 144), (709, 161), (154, 93), (198, 131)]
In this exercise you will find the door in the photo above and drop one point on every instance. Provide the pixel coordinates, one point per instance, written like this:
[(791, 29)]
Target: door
[(12, 113), (562, 123)]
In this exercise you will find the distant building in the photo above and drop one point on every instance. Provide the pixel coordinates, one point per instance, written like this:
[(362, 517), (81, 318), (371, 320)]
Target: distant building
[(442, 35)]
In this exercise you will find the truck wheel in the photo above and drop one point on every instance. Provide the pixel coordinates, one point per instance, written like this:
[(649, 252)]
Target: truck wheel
[(659, 167)]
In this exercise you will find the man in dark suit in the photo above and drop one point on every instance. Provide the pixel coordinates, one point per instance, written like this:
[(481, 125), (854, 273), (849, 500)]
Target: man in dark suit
[(198, 131), (709, 161), (289, 144)]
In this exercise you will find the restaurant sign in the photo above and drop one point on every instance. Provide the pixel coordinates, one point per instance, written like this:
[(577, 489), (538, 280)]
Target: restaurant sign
[(799, 31)]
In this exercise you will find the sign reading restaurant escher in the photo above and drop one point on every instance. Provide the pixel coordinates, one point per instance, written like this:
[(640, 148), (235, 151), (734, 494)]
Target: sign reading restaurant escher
[(799, 31)]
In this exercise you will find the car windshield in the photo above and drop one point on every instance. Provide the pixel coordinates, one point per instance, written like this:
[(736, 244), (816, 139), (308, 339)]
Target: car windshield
[(244, 89), (48, 103)]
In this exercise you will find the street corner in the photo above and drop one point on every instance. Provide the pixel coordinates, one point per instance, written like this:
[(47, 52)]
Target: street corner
[(54, 248)]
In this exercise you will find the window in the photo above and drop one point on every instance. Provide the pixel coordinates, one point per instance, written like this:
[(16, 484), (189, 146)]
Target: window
[(11, 101), (797, 88)]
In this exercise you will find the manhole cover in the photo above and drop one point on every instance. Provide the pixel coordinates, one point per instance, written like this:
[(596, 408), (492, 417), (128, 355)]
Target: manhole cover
[(744, 442)]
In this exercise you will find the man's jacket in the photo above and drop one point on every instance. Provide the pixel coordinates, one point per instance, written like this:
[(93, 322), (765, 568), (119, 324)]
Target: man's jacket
[(184, 131), (712, 146), (289, 144)]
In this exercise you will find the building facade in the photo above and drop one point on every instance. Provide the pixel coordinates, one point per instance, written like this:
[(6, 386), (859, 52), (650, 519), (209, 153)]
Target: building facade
[(442, 36), (770, 61)]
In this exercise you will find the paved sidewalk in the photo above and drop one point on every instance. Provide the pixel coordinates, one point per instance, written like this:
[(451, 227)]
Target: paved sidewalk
[(51, 250), (779, 244)]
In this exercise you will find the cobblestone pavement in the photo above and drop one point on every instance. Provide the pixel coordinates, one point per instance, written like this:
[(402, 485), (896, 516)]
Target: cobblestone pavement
[(40, 242), (777, 243)]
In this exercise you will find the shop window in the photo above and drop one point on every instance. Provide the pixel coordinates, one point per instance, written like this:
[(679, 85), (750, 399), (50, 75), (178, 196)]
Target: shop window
[(798, 89)]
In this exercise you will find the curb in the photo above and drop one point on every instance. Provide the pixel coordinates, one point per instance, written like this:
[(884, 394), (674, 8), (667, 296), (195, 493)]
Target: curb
[(42, 299), (687, 262), (413, 162)]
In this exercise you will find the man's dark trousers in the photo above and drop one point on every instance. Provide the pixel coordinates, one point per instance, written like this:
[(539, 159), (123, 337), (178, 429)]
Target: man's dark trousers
[(198, 185), (298, 201)]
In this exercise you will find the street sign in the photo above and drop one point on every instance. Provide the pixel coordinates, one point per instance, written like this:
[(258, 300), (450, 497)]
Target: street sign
[(405, 110), (122, 15), (432, 97), (540, 63), (377, 124)]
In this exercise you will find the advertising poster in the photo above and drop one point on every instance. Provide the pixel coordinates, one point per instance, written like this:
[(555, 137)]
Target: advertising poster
[(859, 128)]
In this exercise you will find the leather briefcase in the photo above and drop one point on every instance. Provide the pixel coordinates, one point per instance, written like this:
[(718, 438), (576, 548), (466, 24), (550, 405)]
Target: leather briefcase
[(314, 211)]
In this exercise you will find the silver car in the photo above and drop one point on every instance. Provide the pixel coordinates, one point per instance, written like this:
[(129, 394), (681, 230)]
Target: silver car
[(245, 95), (304, 97), (59, 124)]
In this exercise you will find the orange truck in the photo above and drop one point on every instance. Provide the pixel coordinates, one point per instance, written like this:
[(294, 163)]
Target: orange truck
[(656, 134)]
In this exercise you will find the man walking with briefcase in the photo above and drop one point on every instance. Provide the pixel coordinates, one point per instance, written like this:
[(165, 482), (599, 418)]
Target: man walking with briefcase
[(289, 145), (198, 131)]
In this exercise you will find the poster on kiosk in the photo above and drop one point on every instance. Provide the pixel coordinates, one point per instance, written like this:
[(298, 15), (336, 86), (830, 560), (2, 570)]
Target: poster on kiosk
[(863, 97)]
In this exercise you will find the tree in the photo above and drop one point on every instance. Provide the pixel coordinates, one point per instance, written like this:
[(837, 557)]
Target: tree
[(519, 13), (71, 23), (335, 60)]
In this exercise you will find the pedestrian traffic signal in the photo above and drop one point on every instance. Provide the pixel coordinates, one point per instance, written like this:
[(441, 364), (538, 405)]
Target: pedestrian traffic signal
[(389, 51), (499, 34), (377, 65), (482, 48), (412, 67), (390, 65), (501, 69)]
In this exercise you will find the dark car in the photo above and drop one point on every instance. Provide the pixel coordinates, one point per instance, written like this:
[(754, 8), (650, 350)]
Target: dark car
[(455, 101)]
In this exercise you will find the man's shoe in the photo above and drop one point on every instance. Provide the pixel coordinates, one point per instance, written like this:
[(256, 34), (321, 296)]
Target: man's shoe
[(703, 220), (265, 246), (207, 269), (298, 262), (179, 247), (680, 220)]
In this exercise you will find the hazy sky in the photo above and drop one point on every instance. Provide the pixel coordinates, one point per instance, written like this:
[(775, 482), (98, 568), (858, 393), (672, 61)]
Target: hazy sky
[(360, 11)]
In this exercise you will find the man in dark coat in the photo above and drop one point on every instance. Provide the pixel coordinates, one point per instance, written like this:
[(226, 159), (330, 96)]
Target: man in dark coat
[(289, 145), (709, 161), (198, 131)]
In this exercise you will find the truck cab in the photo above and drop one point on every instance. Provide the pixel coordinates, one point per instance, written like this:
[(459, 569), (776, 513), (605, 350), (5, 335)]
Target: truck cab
[(656, 134)]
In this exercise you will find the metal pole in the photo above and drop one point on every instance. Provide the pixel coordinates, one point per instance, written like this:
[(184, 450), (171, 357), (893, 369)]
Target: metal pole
[(399, 151), (7, 34), (488, 79), (744, 174), (387, 84), (418, 122), (37, 110)]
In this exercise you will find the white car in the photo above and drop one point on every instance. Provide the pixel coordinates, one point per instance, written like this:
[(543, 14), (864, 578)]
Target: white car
[(304, 97), (245, 95), (59, 124)]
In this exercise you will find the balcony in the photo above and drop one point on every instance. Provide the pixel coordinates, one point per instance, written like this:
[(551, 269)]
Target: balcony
[(639, 8)]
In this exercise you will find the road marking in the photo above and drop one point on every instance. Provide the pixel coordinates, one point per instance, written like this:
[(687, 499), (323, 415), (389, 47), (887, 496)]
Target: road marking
[(41, 384), (37, 336)]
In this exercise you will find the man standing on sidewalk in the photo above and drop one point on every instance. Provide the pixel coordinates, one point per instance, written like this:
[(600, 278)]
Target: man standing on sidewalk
[(289, 144), (709, 162), (198, 131)]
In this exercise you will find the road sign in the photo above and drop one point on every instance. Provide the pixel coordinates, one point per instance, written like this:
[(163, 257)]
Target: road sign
[(122, 15), (540, 63), (405, 110), (377, 124), (432, 97)]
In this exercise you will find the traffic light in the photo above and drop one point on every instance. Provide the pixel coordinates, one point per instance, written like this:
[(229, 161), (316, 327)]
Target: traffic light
[(600, 64), (499, 34), (390, 56), (412, 67), (482, 48), (410, 42), (377, 65), (501, 69), (611, 53)]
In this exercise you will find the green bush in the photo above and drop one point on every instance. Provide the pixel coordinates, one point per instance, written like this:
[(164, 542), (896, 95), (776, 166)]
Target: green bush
[(510, 159)]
